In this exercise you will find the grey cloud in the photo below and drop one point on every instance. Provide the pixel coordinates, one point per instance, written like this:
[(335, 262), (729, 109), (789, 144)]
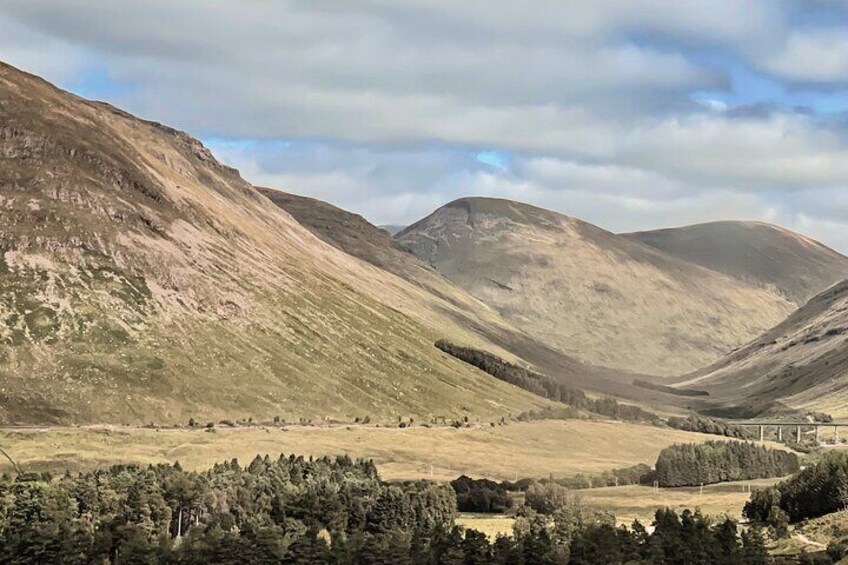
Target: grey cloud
[(356, 51)]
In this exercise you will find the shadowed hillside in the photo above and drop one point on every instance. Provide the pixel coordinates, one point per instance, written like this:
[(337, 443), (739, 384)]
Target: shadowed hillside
[(603, 298), (803, 362), (392, 228), (144, 281), (762, 254), (356, 236)]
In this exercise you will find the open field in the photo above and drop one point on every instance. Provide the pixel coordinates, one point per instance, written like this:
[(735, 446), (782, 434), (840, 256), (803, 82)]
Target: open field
[(491, 525), (531, 449), (634, 502)]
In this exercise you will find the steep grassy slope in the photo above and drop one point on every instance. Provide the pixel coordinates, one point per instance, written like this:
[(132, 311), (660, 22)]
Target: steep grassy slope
[(354, 235), (762, 254), (143, 281), (601, 297), (802, 363)]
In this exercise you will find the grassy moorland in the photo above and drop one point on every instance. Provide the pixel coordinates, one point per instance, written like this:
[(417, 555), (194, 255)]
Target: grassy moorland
[(530, 449)]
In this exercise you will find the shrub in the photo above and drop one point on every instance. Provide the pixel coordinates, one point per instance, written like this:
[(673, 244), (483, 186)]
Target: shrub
[(709, 426), (480, 495)]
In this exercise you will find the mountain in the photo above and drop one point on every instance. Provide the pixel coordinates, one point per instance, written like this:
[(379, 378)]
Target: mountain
[(354, 235), (762, 254), (801, 363), (143, 281), (392, 228), (606, 299)]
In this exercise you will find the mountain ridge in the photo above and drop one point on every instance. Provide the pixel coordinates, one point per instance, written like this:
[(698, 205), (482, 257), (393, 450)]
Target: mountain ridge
[(763, 254), (589, 292)]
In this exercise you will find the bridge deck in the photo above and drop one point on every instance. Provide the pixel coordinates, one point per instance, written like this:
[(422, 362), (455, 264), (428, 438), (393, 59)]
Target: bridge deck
[(787, 424)]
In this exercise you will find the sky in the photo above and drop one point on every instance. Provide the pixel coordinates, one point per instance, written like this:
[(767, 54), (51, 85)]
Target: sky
[(631, 114)]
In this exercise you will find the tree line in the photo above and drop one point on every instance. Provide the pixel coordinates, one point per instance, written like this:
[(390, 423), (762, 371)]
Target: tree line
[(545, 386), (705, 425), (561, 530), (677, 466), (819, 489), (271, 510), (481, 495), (490, 497), (552, 527), (575, 399), (292, 510), (719, 461)]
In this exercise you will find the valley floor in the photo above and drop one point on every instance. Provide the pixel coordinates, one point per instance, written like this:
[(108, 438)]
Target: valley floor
[(530, 449)]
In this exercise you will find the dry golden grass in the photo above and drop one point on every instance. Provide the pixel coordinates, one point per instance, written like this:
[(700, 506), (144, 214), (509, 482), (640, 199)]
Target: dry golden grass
[(492, 525), (630, 503), (532, 449)]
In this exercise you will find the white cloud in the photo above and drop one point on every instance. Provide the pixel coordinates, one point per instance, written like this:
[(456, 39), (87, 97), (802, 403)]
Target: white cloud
[(401, 186), (814, 55), (389, 102)]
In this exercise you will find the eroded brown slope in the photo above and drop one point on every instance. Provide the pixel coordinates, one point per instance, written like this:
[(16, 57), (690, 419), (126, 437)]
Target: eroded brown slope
[(802, 362), (601, 297), (143, 281), (755, 252)]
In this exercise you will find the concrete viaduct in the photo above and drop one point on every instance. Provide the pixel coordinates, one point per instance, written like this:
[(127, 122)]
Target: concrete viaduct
[(817, 426)]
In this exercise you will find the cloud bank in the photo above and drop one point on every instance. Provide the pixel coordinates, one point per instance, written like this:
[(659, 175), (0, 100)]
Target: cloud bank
[(630, 114)]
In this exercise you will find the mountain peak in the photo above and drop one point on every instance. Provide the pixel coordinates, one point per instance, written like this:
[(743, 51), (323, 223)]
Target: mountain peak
[(601, 297)]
